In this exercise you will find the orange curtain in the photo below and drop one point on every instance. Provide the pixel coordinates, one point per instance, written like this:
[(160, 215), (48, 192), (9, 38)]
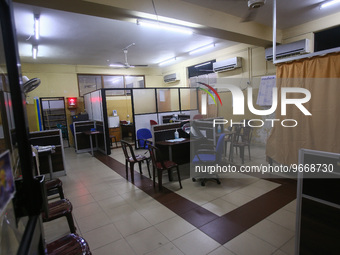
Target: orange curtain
[(321, 131)]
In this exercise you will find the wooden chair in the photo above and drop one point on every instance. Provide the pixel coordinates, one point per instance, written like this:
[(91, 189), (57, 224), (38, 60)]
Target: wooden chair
[(161, 165), (71, 244), (57, 209), (131, 159)]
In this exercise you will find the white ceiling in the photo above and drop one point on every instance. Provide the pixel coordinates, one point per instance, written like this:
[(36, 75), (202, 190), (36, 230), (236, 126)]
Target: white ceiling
[(289, 12), (70, 38)]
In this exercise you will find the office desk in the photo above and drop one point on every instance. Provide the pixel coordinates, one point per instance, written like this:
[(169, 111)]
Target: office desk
[(170, 145), (126, 129), (90, 134)]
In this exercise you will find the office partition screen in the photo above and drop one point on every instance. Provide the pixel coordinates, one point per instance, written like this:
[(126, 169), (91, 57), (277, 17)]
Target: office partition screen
[(144, 101), (140, 105)]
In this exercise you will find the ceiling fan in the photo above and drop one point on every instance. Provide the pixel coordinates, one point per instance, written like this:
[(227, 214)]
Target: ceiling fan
[(253, 6), (126, 65)]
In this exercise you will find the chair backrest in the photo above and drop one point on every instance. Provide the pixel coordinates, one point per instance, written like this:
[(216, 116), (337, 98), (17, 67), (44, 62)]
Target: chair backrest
[(128, 150), (219, 147), (156, 156), (153, 122), (246, 134), (198, 117), (142, 134)]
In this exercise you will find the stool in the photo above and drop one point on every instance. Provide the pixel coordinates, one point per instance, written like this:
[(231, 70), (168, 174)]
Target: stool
[(70, 244), (54, 186), (60, 208), (113, 136)]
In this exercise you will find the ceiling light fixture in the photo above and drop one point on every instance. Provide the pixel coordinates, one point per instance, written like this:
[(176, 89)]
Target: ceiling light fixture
[(167, 61), (35, 51), (202, 49), (164, 26), (329, 3), (203, 64), (37, 26), (116, 65)]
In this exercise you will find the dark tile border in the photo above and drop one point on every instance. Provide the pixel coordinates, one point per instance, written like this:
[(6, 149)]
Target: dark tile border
[(221, 229)]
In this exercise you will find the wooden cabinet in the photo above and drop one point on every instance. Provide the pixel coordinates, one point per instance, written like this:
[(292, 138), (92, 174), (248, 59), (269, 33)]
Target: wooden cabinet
[(116, 132)]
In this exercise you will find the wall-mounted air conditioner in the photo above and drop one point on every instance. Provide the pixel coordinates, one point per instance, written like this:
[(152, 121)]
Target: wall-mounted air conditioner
[(171, 77), (227, 64), (289, 49)]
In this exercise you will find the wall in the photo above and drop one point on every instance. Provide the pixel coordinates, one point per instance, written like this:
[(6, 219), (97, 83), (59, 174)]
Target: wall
[(123, 106), (61, 81)]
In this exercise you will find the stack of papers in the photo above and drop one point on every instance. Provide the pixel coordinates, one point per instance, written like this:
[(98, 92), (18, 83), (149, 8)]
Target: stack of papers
[(176, 140)]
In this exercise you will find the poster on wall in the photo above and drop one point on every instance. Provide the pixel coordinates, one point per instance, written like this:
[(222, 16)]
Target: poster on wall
[(7, 188), (265, 96)]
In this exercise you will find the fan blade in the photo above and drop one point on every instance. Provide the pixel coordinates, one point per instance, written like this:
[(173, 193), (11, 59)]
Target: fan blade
[(31, 85), (250, 16)]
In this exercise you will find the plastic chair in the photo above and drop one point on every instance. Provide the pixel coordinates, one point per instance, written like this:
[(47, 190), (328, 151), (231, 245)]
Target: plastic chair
[(207, 155), (245, 134), (161, 165), (131, 158), (153, 122), (142, 135), (57, 209), (70, 244), (198, 117), (54, 186)]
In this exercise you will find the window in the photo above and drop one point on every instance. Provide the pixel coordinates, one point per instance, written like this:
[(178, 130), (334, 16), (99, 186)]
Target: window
[(88, 83), (327, 39), (201, 68)]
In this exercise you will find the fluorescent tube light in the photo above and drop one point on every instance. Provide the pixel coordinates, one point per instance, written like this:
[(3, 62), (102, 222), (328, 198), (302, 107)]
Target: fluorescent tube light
[(202, 49), (329, 3), (167, 61), (164, 26), (203, 64), (116, 65), (35, 51), (37, 26)]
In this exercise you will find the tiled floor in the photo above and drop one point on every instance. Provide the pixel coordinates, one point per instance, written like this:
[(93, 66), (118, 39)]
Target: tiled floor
[(240, 216)]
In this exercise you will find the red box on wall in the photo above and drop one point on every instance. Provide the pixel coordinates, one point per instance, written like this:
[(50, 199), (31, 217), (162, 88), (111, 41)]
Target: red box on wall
[(71, 102)]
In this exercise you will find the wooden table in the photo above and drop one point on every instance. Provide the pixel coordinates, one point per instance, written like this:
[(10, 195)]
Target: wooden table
[(90, 134)]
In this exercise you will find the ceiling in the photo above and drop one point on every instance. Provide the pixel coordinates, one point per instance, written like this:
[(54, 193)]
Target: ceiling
[(78, 39)]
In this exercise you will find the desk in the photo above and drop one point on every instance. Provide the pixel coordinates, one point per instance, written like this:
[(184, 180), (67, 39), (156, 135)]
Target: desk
[(126, 129), (90, 134), (170, 145)]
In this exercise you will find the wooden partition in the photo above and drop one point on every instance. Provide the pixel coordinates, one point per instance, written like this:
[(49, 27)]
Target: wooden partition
[(46, 138)]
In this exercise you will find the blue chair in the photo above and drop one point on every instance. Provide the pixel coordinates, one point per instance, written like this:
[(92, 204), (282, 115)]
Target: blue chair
[(142, 135), (207, 155)]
